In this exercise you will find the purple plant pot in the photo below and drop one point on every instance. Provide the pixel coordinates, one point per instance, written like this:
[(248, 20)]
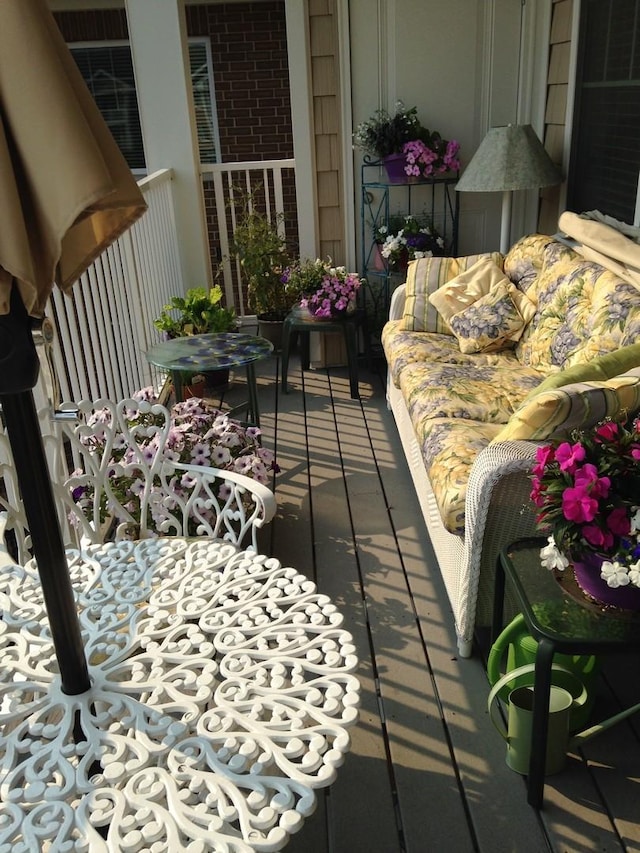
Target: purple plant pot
[(587, 575), (394, 165)]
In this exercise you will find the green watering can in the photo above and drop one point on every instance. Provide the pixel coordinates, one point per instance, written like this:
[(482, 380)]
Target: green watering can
[(515, 648), (519, 701)]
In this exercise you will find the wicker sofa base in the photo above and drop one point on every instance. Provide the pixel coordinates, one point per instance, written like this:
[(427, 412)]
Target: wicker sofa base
[(498, 511)]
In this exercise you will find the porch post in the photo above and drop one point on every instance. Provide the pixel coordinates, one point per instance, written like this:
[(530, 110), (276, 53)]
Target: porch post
[(157, 33), (302, 122)]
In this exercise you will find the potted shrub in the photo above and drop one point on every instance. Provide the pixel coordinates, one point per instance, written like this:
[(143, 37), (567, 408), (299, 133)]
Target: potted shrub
[(199, 311), (408, 149), (262, 251)]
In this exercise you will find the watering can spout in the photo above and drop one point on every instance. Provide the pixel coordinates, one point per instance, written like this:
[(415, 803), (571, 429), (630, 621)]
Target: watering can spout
[(581, 737)]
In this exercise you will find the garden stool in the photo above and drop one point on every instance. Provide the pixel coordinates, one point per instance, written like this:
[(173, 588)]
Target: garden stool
[(301, 322)]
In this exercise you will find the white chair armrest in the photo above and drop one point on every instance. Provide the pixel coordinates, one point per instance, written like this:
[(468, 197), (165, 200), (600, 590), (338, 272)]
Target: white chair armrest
[(206, 501)]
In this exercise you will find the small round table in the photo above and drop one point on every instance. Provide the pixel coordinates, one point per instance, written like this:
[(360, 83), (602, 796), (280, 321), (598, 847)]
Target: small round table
[(222, 688), (201, 353)]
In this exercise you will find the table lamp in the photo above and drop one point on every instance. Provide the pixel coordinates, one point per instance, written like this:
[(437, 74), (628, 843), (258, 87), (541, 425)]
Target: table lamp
[(509, 158)]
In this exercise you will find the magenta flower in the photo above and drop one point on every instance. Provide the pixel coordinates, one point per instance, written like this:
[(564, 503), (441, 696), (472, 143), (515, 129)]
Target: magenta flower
[(619, 522), (578, 505), (598, 538), (569, 455)]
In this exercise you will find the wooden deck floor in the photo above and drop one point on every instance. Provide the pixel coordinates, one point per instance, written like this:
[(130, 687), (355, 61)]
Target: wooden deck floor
[(426, 771)]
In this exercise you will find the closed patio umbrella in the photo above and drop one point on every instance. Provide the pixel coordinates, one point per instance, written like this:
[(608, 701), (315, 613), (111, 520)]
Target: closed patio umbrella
[(66, 193)]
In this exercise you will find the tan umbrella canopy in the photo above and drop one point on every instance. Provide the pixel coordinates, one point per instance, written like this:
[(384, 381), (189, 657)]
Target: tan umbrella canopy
[(66, 193)]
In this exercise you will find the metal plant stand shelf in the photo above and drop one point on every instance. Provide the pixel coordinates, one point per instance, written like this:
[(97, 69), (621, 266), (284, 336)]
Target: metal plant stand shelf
[(222, 688)]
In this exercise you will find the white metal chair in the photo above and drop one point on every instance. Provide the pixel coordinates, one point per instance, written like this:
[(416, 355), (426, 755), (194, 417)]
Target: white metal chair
[(116, 473)]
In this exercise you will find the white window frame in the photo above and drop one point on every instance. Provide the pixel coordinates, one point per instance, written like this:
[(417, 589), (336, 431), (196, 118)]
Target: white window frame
[(106, 43)]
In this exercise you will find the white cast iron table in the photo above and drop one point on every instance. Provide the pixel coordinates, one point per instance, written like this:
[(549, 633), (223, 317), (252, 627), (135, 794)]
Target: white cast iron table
[(222, 691)]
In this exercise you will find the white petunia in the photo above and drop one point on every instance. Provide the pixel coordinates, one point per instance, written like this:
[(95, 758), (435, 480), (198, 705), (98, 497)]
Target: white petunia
[(552, 558), (615, 574)]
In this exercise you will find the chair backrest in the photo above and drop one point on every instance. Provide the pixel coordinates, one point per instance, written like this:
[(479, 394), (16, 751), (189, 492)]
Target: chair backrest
[(117, 472)]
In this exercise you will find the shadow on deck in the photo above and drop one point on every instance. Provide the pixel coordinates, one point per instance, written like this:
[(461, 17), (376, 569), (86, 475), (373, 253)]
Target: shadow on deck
[(427, 770)]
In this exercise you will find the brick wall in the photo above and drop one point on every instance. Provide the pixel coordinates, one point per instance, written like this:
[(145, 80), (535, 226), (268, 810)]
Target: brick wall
[(249, 50), (251, 80)]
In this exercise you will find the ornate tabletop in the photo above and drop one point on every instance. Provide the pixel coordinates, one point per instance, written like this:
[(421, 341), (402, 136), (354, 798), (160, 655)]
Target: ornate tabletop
[(195, 353), (222, 691)]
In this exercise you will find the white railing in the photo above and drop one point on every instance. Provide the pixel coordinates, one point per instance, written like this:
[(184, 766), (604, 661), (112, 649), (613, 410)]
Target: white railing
[(231, 184), (105, 327)]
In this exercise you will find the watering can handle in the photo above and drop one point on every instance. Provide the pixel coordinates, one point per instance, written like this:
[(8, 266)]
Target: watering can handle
[(501, 645), (511, 676)]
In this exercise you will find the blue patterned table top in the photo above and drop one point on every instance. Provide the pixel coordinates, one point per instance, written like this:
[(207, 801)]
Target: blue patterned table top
[(209, 352)]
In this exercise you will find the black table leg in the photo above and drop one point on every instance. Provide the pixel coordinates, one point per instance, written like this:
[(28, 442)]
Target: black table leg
[(540, 722)]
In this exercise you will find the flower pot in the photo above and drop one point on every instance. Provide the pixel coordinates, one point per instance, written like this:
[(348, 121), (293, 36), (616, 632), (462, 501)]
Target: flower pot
[(587, 575), (394, 165), (271, 330)]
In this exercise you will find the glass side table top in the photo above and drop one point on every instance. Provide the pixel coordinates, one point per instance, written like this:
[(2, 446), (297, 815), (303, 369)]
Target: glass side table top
[(209, 352), (550, 602)]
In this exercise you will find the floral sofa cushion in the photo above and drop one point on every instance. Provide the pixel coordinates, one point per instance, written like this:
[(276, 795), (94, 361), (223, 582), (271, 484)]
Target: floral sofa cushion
[(523, 262), (583, 311), (495, 321), (406, 348), (424, 277), (477, 392), (449, 448)]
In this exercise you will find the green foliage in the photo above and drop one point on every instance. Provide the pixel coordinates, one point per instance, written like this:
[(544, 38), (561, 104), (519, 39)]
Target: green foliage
[(200, 312), (262, 251), (385, 134)]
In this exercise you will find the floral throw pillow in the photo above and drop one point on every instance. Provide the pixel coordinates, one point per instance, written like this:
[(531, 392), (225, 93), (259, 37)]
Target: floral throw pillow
[(493, 322)]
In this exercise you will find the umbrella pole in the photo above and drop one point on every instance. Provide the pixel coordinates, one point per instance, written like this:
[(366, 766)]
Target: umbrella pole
[(18, 374)]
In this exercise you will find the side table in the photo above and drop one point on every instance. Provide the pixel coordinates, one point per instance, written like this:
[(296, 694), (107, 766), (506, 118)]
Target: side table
[(200, 353), (560, 623), (303, 323)]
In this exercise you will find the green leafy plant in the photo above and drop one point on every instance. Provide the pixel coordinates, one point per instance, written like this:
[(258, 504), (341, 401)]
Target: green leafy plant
[(385, 134), (262, 251), (200, 311)]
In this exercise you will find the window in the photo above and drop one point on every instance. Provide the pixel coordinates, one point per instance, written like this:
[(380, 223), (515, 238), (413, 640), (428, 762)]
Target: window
[(108, 72), (605, 158)]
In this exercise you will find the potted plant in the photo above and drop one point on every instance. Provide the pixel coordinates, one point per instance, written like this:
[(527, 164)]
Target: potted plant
[(262, 251), (405, 239), (199, 311), (326, 290), (409, 150), (587, 492)]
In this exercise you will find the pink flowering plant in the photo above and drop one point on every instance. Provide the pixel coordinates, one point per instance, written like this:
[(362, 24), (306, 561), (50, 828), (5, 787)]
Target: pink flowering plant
[(587, 492), (328, 291), (430, 156), (199, 434)]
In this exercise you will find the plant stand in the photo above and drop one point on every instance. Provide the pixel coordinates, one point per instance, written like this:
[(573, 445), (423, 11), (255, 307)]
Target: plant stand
[(301, 322)]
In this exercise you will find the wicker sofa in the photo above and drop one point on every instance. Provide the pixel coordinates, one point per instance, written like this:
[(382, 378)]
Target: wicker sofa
[(487, 356)]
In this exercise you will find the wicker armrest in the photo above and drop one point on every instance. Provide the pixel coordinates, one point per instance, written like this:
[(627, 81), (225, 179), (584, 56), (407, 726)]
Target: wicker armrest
[(498, 511)]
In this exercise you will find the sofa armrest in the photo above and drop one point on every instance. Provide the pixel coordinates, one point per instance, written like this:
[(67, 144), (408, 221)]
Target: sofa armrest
[(398, 297), (498, 511)]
